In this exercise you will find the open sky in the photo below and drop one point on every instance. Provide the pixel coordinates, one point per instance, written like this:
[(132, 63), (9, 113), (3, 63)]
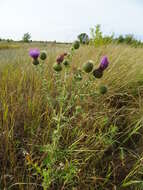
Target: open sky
[(63, 20)]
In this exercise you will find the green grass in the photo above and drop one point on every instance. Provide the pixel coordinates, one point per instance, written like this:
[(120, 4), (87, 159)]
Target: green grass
[(55, 135)]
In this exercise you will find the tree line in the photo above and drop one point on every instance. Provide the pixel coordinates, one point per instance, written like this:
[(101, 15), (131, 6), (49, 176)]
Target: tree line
[(96, 38)]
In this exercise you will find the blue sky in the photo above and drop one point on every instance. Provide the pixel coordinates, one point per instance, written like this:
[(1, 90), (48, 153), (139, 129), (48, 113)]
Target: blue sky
[(63, 20)]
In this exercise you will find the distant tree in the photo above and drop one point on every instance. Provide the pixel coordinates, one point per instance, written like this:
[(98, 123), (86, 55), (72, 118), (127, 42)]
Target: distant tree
[(129, 38), (26, 37), (9, 40), (108, 39), (120, 39), (83, 38)]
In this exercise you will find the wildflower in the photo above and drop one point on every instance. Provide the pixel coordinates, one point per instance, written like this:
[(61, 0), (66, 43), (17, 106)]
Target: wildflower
[(57, 67), (98, 73), (88, 66), (61, 58), (43, 55), (34, 53), (76, 45), (104, 63)]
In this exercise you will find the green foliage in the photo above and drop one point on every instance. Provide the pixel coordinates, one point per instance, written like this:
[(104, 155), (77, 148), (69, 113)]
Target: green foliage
[(120, 39), (129, 39), (26, 37), (97, 37)]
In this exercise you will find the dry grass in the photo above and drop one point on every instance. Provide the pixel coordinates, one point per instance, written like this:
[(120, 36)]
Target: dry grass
[(99, 147)]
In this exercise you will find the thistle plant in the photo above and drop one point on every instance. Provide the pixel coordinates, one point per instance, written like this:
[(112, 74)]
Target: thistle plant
[(65, 101)]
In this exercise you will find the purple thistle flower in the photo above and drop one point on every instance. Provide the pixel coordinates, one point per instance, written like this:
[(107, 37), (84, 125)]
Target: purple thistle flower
[(104, 63), (34, 53)]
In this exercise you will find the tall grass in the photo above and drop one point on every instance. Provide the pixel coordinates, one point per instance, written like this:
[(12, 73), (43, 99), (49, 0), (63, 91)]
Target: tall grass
[(86, 142)]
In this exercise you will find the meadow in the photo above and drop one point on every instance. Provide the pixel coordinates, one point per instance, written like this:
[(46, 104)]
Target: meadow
[(60, 133)]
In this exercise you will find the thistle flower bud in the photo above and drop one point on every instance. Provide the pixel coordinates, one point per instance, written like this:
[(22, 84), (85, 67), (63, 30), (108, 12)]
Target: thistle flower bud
[(76, 45), (102, 89), (98, 73), (66, 63), (88, 66), (57, 67), (43, 55)]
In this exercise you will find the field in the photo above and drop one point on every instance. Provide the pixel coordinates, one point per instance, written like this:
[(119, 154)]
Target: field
[(57, 133)]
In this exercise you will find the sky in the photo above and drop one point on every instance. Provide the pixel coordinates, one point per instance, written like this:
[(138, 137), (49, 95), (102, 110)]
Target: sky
[(63, 20)]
